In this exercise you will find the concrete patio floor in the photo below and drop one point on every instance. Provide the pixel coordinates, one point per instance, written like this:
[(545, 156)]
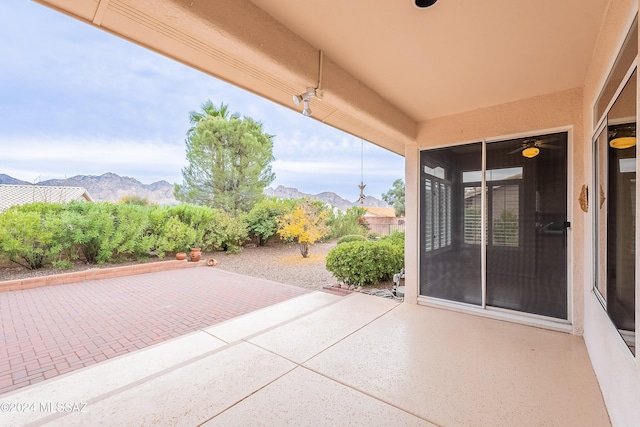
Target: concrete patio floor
[(319, 359)]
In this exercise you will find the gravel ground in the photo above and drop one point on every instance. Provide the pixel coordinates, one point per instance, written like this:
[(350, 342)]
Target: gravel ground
[(278, 262), (281, 263)]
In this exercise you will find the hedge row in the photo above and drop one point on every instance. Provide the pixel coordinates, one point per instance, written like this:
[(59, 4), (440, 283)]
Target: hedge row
[(363, 263), (40, 234)]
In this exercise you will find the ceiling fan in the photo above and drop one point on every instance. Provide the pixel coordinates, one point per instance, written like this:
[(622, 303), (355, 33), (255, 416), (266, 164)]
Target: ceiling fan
[(531, 146)]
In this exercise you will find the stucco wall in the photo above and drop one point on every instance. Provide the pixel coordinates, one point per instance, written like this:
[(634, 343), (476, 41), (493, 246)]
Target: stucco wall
[(617, 370), (558, 111)]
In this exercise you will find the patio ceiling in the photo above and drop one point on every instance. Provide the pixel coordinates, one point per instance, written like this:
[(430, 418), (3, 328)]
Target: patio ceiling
[(388, 66)]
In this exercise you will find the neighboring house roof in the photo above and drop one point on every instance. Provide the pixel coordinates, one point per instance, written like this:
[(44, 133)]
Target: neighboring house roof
[(15, 195), (380, 212)]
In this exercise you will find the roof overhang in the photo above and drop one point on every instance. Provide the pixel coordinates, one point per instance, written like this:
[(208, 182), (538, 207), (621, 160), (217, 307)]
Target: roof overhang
[(388, 67)]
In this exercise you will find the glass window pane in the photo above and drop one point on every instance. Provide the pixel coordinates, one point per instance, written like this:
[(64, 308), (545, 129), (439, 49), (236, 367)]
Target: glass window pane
[(472, 215), (623, 62), (506, 212)]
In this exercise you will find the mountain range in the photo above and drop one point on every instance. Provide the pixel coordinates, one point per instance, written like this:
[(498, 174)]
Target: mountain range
[(111, 187), (283, 192)]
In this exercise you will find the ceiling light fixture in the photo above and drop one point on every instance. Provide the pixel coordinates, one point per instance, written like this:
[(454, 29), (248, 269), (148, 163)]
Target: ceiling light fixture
[(424, 3), (530, 152)]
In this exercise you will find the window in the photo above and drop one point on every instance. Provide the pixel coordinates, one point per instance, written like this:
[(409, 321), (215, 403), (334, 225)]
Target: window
[(505, 211), (472, 215), (438, 210), (614, 202), (503, 192)]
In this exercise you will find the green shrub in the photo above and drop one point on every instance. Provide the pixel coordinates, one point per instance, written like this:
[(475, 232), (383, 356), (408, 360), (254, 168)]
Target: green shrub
[(63, 264), (365, 263), (373, 236), (351, 238), (233, 231), (174, 236), (39, 234), (396, 238), (104, 232), (29, 234), (349, 222), (262, 220)]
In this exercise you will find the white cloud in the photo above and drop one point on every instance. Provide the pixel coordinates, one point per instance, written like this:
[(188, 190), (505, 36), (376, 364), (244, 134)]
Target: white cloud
[(51, 158), (86, 102)]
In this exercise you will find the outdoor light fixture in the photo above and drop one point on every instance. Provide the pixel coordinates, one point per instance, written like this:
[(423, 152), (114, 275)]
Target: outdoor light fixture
[(623, 142), (530, 152), (306, 111), (312, 92), (305, 98)]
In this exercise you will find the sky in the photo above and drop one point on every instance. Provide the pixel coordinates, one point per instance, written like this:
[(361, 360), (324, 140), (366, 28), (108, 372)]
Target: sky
[(76, 100)]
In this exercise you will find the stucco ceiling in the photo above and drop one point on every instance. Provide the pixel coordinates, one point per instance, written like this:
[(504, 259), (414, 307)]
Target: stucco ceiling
[(455, 56)]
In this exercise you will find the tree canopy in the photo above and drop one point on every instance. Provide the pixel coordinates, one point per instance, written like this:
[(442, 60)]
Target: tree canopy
[(395, 197), (229, 160)]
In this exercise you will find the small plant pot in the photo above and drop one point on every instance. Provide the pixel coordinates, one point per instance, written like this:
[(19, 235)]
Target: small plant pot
[(195, 255), (180, 256)]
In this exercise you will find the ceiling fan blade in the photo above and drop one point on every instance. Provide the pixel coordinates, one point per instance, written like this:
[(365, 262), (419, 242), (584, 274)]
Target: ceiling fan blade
[(517, 150), (551, 146)]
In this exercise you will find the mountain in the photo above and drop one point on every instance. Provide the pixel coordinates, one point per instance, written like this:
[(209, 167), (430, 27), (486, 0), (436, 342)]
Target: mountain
[(283, 192), (109, 187), (6, 179)]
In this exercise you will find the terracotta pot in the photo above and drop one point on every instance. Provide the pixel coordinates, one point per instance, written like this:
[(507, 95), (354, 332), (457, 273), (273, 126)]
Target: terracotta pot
[(195, 255), (181, 256)]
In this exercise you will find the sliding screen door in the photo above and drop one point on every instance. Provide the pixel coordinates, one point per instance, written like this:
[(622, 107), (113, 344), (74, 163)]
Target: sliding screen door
[(451, 224), (526, 236), (520, 214)]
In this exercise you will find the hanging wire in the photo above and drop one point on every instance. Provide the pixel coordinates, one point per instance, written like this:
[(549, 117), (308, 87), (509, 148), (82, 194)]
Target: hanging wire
[(362, 184)]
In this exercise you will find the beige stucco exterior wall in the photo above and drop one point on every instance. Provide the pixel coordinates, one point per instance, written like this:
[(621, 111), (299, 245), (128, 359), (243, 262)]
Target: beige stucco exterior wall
[(617, 370), (559, 111)]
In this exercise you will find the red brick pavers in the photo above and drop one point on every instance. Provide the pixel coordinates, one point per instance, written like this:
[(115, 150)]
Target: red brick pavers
[(48, 331)]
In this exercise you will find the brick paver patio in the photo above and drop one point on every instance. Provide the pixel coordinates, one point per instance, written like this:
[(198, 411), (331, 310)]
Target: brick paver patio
[(48, 331)]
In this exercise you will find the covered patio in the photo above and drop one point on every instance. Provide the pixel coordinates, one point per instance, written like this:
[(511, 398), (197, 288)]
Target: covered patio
[(520, 198), (320, 359)]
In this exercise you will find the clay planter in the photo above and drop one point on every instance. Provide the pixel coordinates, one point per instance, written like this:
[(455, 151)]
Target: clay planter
[(181, 256), (195, 255)]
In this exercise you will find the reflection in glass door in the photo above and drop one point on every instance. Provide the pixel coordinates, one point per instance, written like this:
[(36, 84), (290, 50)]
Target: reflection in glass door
[(614, 212), (527, 219), (523, 224), (450, 265)]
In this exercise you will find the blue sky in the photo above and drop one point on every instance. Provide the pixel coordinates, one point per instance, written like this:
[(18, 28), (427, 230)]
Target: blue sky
[(75, 100)]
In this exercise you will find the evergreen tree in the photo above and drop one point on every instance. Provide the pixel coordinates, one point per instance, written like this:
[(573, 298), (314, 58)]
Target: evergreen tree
[(229, 160), (395, 197)]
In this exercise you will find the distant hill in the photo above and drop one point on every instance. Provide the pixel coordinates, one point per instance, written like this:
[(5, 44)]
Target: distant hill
[(283, 192), (110, 187), (6, 179)]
